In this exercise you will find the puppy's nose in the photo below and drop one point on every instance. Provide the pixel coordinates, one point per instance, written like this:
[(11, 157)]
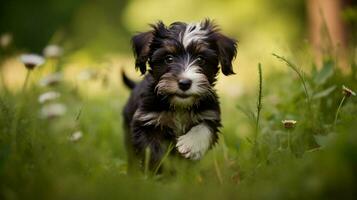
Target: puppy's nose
[(185, 84)]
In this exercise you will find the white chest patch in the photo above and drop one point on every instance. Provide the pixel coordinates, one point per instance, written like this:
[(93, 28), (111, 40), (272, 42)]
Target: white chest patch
[(195, 143)]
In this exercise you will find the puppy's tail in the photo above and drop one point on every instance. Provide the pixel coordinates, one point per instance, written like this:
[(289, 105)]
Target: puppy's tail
[(128, 82)]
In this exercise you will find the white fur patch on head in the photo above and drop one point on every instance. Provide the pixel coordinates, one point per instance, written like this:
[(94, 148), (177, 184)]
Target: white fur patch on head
[(195, 143), (193, 32)]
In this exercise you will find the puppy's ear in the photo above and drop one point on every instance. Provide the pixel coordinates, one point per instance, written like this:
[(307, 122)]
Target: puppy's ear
[(141, 47), (227, 51)]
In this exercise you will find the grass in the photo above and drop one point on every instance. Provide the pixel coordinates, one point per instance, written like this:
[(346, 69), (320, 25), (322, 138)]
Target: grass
[(298, 71), (315, 160), (259, 102)]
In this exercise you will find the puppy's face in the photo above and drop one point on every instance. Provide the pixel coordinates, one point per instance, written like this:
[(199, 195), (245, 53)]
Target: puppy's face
[(184, 59)]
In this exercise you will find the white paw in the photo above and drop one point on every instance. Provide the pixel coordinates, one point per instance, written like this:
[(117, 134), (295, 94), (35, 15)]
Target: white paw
[(194, 144)]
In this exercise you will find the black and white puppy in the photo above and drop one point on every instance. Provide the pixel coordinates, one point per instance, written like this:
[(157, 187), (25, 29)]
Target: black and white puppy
[(176, 102)]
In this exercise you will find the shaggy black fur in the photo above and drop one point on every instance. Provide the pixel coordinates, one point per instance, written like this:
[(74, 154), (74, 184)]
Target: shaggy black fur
[(159, 110)]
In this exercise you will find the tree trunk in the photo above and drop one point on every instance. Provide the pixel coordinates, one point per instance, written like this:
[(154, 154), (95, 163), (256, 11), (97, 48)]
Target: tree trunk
[(327, 30)]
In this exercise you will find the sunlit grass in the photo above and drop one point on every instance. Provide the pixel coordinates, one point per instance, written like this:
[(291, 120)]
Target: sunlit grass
[(46, 152)]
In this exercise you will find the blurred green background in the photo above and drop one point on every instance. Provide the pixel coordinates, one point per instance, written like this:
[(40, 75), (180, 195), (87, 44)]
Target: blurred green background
[(108, 24), (98, 28), (45, 158), (95, 29)]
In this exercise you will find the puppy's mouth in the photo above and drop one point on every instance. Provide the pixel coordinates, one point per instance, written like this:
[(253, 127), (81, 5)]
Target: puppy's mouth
[(182, 96)]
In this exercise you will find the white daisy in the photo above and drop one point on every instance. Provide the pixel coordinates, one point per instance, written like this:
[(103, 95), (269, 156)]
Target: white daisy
[(52, 51), (5, 40), (289, 123), (31, 60), (48, 96), (51, 79), (53, 110), (75, 136), (347, 91)]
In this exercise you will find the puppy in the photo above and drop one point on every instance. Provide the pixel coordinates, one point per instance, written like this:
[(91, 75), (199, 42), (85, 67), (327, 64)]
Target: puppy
[(176, 102)]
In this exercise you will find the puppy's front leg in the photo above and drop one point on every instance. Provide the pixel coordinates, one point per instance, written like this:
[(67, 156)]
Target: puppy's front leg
[(194, 144), (148, 138)]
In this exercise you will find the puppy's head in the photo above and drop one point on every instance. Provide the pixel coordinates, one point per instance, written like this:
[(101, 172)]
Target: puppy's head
[(184, 59)]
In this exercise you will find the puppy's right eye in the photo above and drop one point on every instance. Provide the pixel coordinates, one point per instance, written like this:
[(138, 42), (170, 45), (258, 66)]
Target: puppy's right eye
[(200, 60), (169, 59)]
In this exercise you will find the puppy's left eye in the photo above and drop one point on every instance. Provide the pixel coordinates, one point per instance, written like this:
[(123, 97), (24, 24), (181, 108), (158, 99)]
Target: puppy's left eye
[(169, 59), (201, 60)]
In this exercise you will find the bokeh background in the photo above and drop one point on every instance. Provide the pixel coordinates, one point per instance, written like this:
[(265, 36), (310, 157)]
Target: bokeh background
[(61, 131), (96, 30)]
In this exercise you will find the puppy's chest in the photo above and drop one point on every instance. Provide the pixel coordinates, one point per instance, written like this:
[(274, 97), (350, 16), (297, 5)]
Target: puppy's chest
[(180, 122)]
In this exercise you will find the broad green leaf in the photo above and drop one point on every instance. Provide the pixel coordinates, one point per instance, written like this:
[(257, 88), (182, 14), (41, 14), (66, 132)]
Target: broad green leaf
[(325, 73), (324, 93)]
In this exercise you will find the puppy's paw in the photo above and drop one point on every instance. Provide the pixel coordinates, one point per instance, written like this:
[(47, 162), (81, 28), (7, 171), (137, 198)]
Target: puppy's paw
[(194, 144)]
